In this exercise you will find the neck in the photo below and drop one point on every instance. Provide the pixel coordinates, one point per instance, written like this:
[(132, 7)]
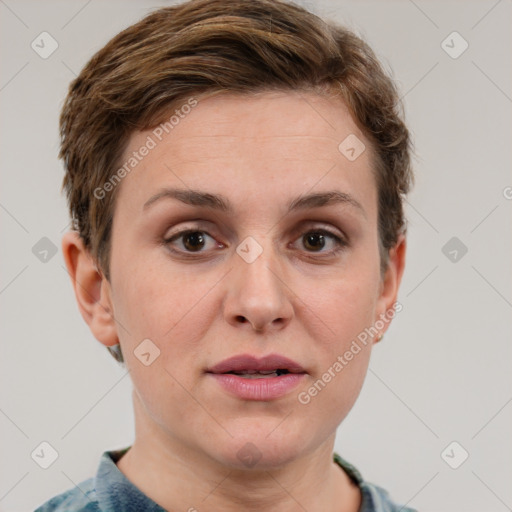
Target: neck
[(177, 477)]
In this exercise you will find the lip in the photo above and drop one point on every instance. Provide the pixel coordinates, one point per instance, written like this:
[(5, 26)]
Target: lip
[(248, 362), (262, 389)]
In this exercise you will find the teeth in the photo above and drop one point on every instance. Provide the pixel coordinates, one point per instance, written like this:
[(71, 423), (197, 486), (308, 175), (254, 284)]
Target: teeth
[(261, 375), (255, 374)]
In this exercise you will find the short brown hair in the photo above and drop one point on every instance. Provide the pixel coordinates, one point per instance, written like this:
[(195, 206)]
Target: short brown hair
[(210, 46)]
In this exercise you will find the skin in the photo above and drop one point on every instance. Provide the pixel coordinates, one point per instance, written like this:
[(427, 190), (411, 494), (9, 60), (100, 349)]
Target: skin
[(302, 301)]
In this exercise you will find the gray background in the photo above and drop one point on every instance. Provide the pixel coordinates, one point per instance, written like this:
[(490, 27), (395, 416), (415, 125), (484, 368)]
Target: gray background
[(442, 373)]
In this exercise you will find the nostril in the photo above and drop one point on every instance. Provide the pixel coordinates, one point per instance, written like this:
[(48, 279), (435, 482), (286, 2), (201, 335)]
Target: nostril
[(241, 319)]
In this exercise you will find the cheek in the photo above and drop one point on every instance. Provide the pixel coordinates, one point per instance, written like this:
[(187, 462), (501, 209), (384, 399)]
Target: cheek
[(157, 301), (330, 395), (336, 316), (337, 311)]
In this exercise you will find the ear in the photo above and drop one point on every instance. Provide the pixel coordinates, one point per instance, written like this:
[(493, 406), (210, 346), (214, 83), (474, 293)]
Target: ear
[(390, 282), (92, 290)]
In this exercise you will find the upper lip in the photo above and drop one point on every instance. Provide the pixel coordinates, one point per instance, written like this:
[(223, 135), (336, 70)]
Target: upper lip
[(243, 362)]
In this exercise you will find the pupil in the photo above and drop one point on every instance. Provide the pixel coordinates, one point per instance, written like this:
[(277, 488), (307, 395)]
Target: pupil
[(194, 241), (314, 241)]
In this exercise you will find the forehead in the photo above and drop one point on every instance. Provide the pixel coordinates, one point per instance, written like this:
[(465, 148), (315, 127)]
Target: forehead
[(239, 142), (305, 121)]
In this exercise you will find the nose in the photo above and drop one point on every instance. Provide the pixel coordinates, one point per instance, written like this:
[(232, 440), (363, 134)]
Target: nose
[(258, 297)]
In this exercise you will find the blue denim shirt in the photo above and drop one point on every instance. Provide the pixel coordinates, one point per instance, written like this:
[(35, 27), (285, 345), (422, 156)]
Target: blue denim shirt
[(111, 491)]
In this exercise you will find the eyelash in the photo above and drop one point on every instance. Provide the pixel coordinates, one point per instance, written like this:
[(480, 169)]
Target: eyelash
[(339, 242)]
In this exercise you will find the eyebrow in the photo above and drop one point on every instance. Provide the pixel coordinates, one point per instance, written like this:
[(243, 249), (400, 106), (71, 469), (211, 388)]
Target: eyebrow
[(218, 202)]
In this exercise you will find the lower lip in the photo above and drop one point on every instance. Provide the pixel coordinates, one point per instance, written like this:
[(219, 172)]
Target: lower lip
[(268, 388)]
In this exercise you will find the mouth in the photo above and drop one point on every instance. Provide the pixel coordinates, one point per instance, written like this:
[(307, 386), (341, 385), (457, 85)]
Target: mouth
[(251, 367), (263, 379)]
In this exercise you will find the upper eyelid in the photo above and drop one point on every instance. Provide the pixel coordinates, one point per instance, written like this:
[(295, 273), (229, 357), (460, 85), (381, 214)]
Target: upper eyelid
[(300, 229), (302, 226)]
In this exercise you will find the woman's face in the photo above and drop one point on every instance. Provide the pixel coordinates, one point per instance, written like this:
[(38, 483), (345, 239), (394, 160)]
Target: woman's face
[(279, 257)]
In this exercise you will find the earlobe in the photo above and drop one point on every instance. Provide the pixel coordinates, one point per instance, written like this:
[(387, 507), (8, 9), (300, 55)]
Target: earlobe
[(92, 290), (390, 283)]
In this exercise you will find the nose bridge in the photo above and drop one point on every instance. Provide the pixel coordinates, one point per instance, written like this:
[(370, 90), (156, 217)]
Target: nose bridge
[(257, 294), (259, 271)]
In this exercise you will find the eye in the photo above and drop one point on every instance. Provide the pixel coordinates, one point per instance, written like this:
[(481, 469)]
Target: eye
[(322, 241), (191, 240)]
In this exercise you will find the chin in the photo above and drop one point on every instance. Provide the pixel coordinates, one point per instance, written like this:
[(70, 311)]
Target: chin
[(259, 445)]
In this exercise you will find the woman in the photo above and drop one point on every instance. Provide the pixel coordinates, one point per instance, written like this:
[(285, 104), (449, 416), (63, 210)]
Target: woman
[(235, 173)]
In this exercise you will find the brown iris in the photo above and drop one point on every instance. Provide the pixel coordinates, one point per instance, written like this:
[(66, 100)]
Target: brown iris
[(314, 241)]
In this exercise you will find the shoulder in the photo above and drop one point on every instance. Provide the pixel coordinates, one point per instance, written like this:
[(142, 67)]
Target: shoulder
[(79, 499), (374, 498), (379, 500)]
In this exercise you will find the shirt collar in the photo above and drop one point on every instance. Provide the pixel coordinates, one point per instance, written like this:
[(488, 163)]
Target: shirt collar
[(115, 492)]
